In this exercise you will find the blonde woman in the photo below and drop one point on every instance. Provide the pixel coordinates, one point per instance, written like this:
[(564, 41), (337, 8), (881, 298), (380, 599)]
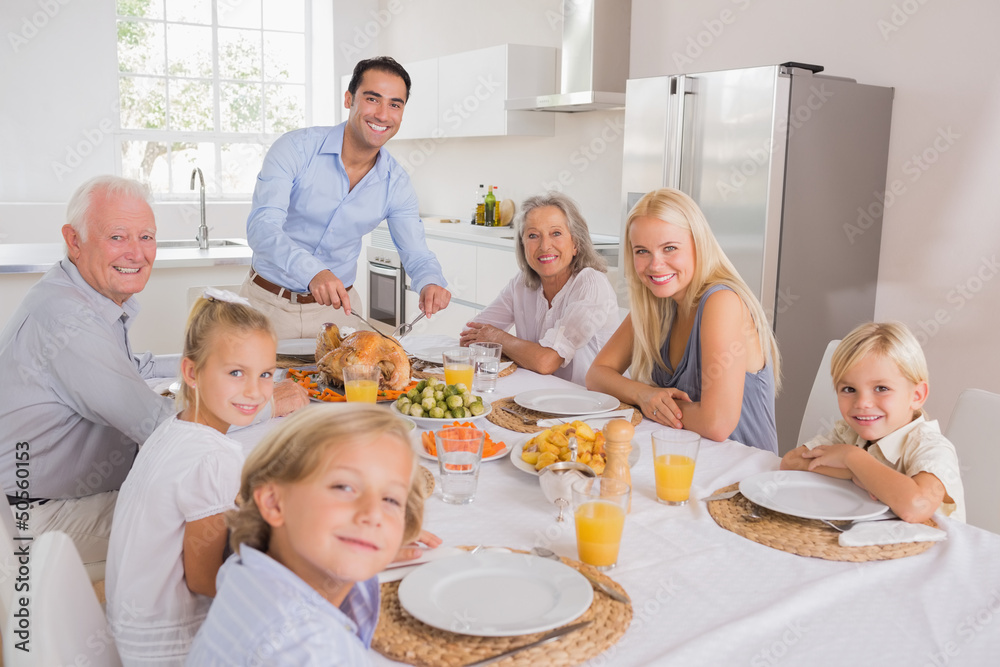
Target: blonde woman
[(697, 344)]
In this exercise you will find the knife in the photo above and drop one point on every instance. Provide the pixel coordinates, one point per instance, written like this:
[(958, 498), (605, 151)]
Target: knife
[(722, 496), (604, 588), (353, 312), (549, 637)]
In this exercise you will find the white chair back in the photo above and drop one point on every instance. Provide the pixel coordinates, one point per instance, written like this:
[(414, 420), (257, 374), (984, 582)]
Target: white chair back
[(67, 624), (974, 429), (8, 562), (821, 411)]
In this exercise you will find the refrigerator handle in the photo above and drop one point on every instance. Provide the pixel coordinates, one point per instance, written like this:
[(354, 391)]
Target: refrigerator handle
[(682, 90)]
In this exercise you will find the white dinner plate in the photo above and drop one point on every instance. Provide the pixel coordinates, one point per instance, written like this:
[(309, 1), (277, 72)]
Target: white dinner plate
[(427, 455), (521, 464), (298, 347), (433, 355), (810, 495), (566, 401), (432, 423), (495, 594)]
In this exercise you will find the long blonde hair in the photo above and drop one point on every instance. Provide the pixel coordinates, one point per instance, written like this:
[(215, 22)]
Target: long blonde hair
[(652, 316), (294, 452)]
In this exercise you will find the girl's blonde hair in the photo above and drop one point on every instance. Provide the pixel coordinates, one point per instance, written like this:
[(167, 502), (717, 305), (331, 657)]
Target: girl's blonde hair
[(891, 340), (652, 316), (294, 452), (209, 316)]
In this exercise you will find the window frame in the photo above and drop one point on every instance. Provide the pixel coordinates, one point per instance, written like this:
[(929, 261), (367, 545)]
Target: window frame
[(216, 137)]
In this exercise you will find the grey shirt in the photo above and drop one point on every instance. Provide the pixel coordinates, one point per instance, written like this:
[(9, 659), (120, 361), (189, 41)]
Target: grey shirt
[(756, 426), (71, 389)]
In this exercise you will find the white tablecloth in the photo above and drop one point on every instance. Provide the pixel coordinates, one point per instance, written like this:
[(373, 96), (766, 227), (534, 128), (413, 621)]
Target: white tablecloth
[(705, 596)]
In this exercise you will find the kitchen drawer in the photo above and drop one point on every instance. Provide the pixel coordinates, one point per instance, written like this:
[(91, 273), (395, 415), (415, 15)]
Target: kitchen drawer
[(458, 262)]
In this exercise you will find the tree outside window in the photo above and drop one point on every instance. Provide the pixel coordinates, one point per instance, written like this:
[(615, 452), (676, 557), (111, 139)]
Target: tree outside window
[(209, 84)]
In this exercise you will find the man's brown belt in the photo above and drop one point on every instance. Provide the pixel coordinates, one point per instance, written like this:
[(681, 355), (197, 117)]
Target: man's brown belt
[(284, 293)]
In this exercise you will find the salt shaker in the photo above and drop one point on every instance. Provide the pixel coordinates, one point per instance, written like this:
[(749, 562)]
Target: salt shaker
[(618, 443)]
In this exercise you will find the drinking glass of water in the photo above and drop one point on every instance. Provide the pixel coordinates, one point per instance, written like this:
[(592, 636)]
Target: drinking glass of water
[(459, 452), (486, 362)]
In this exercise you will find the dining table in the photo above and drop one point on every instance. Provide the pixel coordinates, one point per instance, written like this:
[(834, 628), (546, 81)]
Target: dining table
[(703, 595)]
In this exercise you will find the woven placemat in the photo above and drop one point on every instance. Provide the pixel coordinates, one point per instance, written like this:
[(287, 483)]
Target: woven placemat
[(401, 637), (423, 375), (509, 421), (804, 537), (425, 480)]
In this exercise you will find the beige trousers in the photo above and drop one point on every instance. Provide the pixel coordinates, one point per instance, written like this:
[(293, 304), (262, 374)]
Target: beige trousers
[(293, 320), (87, 521)]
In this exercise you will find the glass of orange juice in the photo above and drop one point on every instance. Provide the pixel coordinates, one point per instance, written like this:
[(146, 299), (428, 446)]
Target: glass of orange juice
[(458, 367), (599, 507), (361, 383), (674, 454)]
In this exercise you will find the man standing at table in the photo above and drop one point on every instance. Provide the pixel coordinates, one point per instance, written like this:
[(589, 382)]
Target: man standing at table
[(319, 191), (74, 404)]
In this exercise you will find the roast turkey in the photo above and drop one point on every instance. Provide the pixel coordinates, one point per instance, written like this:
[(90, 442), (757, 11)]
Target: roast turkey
[(328, 339), (373, 349)]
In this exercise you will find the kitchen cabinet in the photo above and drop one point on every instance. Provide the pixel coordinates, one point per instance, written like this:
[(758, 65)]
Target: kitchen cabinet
[(474, 86), (463, 94)]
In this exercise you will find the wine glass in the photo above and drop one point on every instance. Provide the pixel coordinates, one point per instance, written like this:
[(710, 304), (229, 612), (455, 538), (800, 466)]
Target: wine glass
[(557, 479)]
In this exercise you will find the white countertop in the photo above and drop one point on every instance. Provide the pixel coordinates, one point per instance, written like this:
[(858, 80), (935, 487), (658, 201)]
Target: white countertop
[(40, 257), (500, 237)]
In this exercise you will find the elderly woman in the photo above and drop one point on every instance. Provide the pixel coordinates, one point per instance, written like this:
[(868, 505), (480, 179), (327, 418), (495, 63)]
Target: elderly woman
[(562, 305), (697, 344)]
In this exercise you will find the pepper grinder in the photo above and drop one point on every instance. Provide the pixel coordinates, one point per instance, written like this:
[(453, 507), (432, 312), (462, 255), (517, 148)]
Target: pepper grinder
[(618, 443)]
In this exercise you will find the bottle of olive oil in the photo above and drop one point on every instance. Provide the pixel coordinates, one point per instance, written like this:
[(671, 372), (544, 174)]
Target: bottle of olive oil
[(479, 212), (491, 208)]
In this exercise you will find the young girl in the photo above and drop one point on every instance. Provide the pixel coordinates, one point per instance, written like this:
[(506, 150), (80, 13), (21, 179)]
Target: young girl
[(880, 375), (697, 343), (326, 500), (169, 533)]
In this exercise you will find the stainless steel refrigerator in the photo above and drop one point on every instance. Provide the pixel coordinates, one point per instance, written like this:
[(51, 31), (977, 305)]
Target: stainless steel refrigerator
[(789, 166)]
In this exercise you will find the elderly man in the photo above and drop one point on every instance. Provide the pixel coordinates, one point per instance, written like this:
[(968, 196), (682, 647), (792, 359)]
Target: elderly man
[(320, 190), (74, 404)]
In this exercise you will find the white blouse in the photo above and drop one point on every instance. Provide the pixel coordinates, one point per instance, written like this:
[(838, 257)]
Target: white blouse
[(582, 318), (184, 472)]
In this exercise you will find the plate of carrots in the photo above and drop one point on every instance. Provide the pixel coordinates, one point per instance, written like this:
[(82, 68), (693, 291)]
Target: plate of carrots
[(321, 392), (491, 450)]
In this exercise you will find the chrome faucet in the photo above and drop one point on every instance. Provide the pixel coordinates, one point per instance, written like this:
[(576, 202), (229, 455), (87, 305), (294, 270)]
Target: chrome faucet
[(202, 237)]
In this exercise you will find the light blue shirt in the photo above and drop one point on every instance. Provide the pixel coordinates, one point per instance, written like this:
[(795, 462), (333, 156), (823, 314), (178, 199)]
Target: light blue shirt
[(71, 388), (266, 615), (306, 218)]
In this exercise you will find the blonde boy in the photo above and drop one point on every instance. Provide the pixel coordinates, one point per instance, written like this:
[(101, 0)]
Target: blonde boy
[(884, 442)]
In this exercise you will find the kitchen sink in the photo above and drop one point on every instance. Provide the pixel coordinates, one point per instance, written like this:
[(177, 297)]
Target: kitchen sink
[(192, 243)]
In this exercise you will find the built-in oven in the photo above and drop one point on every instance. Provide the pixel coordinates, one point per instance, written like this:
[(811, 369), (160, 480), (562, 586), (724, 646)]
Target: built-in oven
[(386, 287)]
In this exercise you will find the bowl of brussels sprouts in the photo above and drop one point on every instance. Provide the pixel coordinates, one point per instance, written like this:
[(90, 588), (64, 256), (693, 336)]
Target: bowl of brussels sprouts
[(433, 403)]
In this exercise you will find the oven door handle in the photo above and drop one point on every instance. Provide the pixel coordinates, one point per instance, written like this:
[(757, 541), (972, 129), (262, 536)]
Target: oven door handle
[(380, 270)]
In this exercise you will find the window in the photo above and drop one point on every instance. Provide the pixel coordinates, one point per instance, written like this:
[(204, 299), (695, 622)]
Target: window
[(209, 84)]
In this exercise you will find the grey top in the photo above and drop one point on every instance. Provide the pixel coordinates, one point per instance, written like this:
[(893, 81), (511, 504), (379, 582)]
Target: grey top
[(72, 389), (756, 426)]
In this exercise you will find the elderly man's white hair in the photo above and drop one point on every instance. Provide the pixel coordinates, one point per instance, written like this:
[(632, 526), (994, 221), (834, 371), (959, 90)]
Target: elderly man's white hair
[(108, 186)]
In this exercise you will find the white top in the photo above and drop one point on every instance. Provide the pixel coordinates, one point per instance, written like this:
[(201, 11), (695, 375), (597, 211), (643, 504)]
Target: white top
[(265, 615), (917, 447), (582, 318), (184, 472)]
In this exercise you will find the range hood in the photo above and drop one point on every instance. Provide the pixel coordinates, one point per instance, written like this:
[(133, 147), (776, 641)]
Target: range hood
[(595, 52)]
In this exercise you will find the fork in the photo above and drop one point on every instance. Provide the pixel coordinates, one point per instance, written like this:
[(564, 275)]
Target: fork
[(527, 421), (405, 328), (851, 524)]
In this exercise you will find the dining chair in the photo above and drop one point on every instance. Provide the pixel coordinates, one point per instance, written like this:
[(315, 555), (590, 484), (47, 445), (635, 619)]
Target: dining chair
[(67, 623), (974, 429), (822, 411)]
